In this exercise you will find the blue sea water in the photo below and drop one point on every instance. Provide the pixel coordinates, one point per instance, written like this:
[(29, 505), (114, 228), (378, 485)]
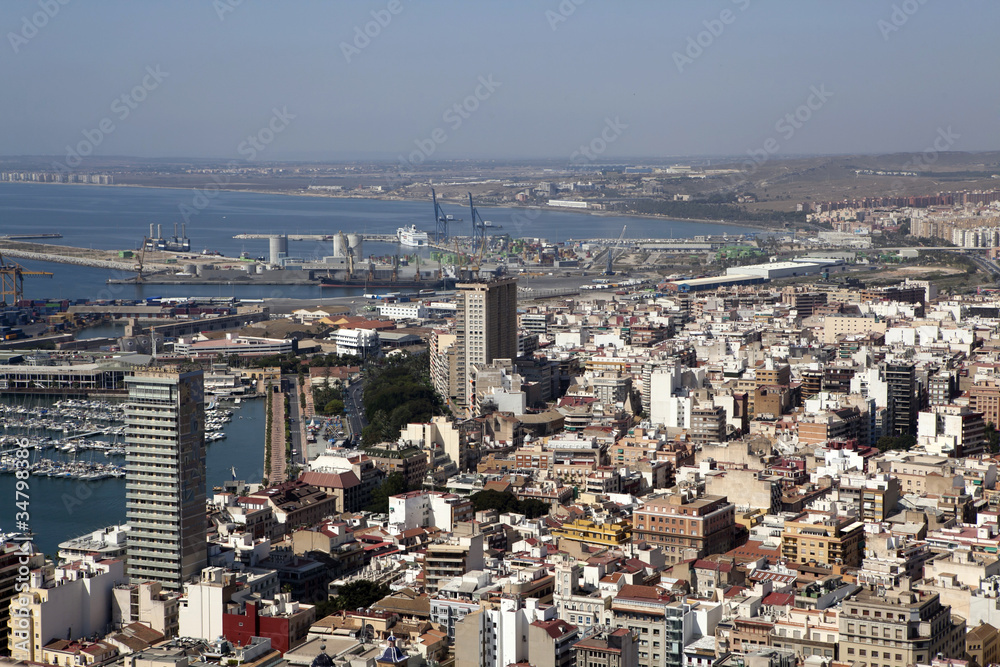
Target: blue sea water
[(119, 217)]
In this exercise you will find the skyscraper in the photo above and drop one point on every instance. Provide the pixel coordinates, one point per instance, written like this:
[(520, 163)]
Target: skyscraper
[(165, 477), (485, 326), (903, 398)]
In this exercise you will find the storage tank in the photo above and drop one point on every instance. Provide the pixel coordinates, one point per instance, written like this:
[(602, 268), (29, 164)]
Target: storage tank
[(355, 243), (339, 245), (278, 248)]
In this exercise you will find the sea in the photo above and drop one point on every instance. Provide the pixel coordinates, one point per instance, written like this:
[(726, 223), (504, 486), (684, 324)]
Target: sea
[(117, 217), (60, 509)]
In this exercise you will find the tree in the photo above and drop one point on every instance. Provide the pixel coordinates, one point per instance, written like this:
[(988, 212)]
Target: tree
[(992, 438), (504, 502), (393, 485), (355, 595), (334, 407)]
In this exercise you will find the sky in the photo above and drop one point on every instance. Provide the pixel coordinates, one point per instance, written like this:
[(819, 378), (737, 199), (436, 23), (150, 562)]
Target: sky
[(599, 80)]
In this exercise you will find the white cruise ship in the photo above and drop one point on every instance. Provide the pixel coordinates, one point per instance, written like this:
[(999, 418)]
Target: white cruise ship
[(412, 237)]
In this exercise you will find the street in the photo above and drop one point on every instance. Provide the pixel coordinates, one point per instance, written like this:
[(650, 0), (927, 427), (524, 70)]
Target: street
[(355, 410)]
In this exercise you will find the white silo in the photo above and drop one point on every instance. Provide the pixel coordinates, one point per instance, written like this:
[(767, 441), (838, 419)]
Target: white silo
[(355, 241), (339, 245), (278, 246)]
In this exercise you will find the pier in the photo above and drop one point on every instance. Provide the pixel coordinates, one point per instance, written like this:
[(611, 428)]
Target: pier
[(28, 237)]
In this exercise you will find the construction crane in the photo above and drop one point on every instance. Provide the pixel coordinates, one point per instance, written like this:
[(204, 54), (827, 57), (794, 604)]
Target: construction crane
[(12, 280), (610, 271)]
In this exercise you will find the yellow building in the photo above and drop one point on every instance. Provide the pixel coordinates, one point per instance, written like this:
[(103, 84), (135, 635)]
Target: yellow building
[(606, 534), (750, 518), (826, 540)]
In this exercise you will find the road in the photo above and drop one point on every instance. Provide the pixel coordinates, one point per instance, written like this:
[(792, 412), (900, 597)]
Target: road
[(296, 421), (355, 410)]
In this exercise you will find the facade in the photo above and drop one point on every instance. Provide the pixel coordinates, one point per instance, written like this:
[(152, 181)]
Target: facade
[(910, 629), (165, 477), (685, 527), (708, 424), (901, 380), (146, 603), (283, 621), (362, 343), (485, 327), (72, 599), (616, 649), (824, 540)]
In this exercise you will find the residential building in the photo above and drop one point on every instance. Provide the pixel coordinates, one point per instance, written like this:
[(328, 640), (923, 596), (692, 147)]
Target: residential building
[(165, 483), (685, 527), (485, 327), (898, 629)]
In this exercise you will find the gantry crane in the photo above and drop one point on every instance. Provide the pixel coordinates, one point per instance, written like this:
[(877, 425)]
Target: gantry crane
[(440, 220), (478, 226), (12, 280), (610, 271)]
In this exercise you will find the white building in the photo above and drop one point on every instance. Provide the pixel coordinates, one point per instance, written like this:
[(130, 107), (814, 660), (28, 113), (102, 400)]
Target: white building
[(204, 601), (359, 342), (403, 311), (73, 600), (423, 509)]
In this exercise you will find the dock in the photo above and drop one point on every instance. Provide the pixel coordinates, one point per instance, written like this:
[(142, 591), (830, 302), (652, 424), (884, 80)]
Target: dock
[(28, 237)]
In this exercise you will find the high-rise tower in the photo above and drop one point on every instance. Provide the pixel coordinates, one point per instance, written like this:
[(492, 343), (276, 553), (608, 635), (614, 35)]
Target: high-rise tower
[(165, 483)]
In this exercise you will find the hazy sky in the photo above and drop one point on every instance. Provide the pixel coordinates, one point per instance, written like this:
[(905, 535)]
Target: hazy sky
[(200, 77)]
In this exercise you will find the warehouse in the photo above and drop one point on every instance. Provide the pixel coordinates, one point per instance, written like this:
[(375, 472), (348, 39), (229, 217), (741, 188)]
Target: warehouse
[(702, 284), (800, 267)]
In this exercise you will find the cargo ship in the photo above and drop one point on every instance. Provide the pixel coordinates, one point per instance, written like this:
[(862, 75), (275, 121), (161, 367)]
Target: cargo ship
[(412, 237), (326, 281)]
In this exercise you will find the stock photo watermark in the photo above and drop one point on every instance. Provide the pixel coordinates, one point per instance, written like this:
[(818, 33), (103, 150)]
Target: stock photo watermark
[(562, 13), (943, 142), (250, 148), (697, 44), (785, 127), (121, 108), (609, 134), (898, 17), (33, 24), (363, 35), (453, 117)]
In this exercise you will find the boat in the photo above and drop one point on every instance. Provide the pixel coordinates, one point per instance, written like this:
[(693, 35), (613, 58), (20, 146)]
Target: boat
[(328, 281), (412, 237)]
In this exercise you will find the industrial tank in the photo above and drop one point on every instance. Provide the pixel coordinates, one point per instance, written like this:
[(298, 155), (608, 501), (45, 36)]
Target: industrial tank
[(340, 245), (278, 246), (355, 242)]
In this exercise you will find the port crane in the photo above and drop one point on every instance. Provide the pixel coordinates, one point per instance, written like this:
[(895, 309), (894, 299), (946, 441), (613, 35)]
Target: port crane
[(12, 280), (146, 242), (478, 226), (440, 220), (610, 271)]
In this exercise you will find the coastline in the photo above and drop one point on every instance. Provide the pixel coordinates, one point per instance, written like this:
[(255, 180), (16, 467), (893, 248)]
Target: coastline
[(614, 214)]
